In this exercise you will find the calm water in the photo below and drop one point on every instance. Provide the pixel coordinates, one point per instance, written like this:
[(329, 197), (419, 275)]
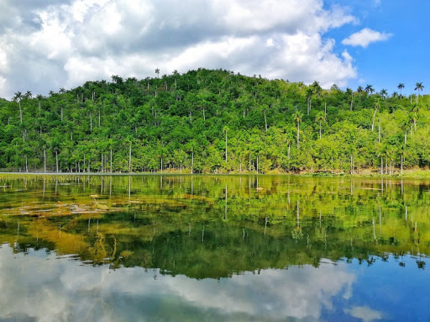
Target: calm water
[(213, 248)]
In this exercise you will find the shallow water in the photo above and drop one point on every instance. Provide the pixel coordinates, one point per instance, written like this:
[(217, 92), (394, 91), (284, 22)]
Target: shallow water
[(212, 248)]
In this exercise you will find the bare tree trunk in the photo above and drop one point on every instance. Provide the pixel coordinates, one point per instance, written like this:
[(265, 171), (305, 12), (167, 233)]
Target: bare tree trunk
[(20, 111), (110, 160), (129, 159), (56, 161), (44, 159), (265, 121), (225, 146), (379, 134), (373, 122), (192, 161), (298, 134)]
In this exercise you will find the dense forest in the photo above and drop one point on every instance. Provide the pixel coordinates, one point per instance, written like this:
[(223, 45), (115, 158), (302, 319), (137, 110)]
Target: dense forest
[(215, 121)]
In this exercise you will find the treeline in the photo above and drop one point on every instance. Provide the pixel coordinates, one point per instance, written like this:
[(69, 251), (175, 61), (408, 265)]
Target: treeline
[(214, 121)]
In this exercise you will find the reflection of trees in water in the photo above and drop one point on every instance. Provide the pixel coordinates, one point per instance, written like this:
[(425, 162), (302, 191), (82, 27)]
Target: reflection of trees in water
[(182, 226)]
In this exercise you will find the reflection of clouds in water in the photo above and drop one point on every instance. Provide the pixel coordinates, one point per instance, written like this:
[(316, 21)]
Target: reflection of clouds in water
[(364, 313), (60, 290)]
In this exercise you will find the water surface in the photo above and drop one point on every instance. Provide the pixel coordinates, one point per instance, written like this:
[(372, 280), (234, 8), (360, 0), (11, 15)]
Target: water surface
[(213, 248)]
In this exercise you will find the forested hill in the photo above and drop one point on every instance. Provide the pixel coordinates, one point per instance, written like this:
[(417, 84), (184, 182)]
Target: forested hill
[(209, 121)]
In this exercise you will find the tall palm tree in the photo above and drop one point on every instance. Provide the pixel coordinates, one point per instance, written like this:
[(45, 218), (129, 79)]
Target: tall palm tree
[(419, 87), (297, 117), (368, 89), (309, 93), (225, 130), (400, 87), (320, 118), (383, 93), (350, 93), (157, 71), (17, 98)]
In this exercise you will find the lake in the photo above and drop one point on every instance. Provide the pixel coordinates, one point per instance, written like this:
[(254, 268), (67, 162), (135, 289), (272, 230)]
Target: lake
[(213, 248)]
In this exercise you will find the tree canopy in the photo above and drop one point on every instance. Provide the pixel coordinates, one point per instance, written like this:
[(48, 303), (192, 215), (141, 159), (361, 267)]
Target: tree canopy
[(180, 122)]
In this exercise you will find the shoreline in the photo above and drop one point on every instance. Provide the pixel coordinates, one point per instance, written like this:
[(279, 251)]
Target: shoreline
[(407, 174)]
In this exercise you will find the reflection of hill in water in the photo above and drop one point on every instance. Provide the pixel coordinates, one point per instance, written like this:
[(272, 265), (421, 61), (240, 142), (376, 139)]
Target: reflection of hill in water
[(216, 226)]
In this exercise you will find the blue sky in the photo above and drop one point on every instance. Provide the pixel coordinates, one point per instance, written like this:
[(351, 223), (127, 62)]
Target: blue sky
[(52, 44), (403, 58)]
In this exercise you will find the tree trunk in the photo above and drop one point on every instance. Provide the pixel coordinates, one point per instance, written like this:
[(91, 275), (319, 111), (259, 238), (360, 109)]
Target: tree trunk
[(129, 159), (265, 121), (56, 161), (373, 122), (225, 146), (257, 164), (379, 133), (320, 130), (298, 134), (44, 160), (110, 160), (192, 161), (20, 111)]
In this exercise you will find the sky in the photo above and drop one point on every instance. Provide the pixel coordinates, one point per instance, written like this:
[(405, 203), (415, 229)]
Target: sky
[(51, 44)]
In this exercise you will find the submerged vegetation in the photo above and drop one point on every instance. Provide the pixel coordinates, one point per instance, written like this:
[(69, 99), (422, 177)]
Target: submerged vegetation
[(214, 121)]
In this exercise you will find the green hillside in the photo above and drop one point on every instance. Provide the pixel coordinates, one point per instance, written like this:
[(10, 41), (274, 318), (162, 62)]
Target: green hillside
[(214, 121)]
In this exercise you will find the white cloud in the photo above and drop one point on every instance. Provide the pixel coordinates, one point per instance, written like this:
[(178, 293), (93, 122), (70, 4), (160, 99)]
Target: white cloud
[(365, 37), (63, 43), (46, 288), (364, 313)]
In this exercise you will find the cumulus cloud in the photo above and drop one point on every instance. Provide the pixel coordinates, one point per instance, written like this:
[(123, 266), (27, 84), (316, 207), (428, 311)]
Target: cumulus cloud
[(44, 288), (53, 44), (365, 37)]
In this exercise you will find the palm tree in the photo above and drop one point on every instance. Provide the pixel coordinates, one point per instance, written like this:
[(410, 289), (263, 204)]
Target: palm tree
[(297, 117), (225, 130), (320, 118), (369, 89), (39, 99), (383, 93), (415, 110), (157, 71), (17, 98), (400, 87), (419, 87), (309, 93)]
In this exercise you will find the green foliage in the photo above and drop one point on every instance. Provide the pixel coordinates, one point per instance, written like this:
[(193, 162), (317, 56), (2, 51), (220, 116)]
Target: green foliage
[(180, 123)]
